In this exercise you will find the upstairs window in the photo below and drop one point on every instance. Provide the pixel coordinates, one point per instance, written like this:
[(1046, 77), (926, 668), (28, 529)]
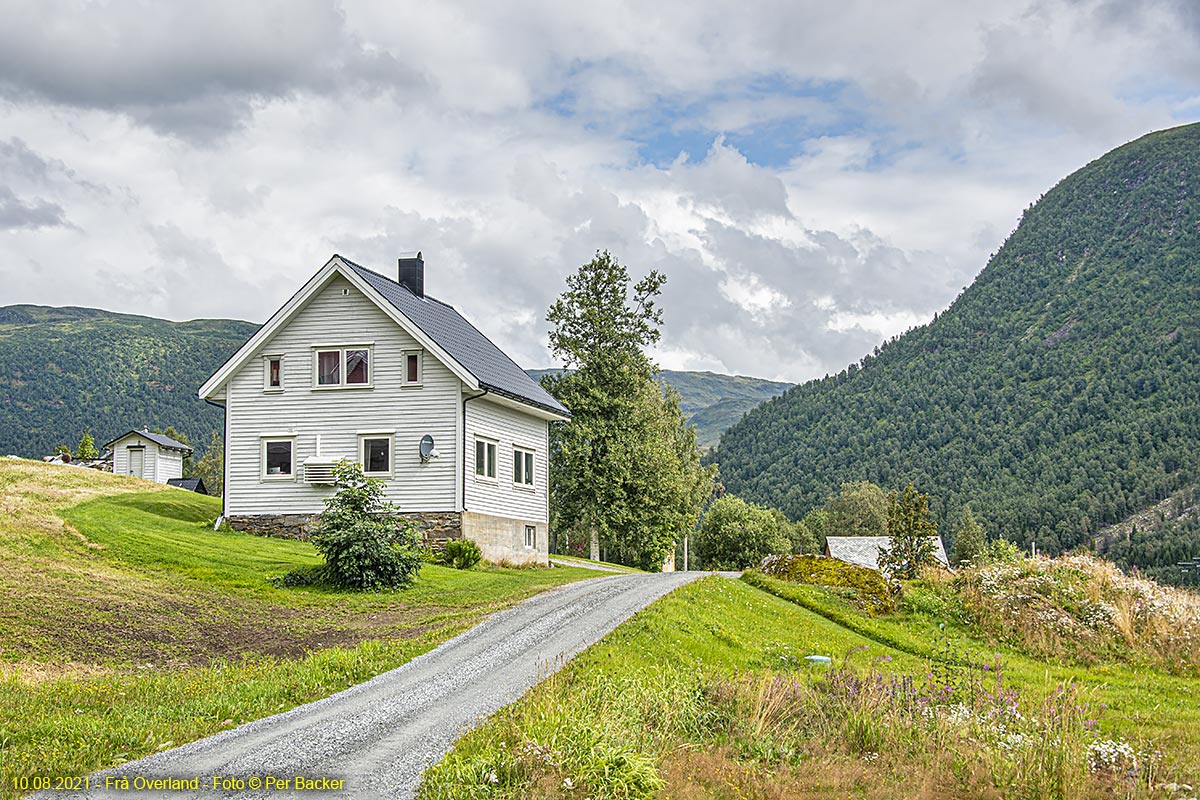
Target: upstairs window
[(273, 373), (412, 369), (522, 467), (485, 459), (342, 366)]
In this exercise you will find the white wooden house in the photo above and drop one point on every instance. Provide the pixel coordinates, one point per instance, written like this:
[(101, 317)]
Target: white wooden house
[(364, 366), (152, 456)]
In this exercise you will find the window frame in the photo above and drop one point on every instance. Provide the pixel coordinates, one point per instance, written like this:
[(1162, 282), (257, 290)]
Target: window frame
[(420, 356), (267, 387), (390, 438), (342, 350), (531, 537), (268, 439), (528, 461), (494, 446)]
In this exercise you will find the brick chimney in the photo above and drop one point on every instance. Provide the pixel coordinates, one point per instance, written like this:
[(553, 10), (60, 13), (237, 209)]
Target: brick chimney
[(411, 273)]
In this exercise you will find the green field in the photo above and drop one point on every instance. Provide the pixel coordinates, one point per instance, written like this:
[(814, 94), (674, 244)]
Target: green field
[(708, 694), (131, 626)]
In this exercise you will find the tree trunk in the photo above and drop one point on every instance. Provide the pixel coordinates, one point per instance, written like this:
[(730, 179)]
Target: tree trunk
[(595, 554)]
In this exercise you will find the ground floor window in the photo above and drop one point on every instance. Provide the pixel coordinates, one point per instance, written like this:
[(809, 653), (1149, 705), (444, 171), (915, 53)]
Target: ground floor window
[(277, 458), (376, 454), (485, 458), (531, 536), (522, 466)]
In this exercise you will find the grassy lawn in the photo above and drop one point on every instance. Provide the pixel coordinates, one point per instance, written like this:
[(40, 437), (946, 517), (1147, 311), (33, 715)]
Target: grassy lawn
[(130, 625), (707, 694)]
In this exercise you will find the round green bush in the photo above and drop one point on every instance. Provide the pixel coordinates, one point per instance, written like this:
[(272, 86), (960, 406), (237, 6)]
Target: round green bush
[(462, 554), (364, 544)]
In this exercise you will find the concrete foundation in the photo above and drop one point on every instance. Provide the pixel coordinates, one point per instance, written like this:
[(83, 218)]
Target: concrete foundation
[(503, 538)]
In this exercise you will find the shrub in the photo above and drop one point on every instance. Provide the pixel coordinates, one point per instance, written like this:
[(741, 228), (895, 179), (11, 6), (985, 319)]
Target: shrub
[(870, 591), (461, 554), (365, 546), (734, 534)]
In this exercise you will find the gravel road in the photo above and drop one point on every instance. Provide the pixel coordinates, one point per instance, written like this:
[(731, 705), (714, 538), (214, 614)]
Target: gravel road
[(379, 736)]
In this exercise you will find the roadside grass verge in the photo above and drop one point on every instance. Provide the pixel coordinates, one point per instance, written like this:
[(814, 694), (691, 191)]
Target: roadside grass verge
[(587, 562), (707, 693), (129, 623)]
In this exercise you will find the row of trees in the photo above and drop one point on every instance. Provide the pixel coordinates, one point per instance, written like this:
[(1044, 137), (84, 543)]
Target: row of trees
[(626, 471)]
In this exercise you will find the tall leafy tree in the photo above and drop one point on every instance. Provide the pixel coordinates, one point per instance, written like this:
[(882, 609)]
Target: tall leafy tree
[(859, 509), (210, 468), (911, 530), (968, 537), (625, 470)]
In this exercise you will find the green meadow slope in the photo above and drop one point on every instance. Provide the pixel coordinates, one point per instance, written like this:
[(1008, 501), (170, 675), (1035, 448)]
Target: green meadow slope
[(129, 625)]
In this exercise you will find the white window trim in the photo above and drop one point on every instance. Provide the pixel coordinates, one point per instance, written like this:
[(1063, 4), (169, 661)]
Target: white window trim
[(317, 349), (362, 454), (263, 441), (495, 444), (267, 387), (420, 354), (522, 485), (533, 545)]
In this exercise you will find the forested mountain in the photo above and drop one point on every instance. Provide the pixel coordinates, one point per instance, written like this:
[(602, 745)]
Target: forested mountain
[(64, 370), (1058, 394), (711, 402)]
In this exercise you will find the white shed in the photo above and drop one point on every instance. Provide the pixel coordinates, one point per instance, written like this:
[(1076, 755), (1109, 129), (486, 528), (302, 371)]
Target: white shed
[(152, 456)]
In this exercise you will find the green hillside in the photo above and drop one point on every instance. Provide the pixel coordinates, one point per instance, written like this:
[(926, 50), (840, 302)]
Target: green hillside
[(1060, 392), (711, 402), (66, 369)]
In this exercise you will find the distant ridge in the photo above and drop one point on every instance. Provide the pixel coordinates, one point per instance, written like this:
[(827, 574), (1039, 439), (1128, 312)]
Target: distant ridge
[(711, 401), (1060, 392), (66, 369)]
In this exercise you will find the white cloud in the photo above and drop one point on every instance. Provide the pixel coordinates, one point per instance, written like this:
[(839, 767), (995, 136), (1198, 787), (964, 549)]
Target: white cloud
[(849, 169)]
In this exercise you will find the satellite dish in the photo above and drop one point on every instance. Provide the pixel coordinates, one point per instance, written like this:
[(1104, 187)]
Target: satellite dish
[(428, 451)]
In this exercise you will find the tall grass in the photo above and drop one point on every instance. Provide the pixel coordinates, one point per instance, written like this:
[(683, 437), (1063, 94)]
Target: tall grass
[(1083, 610)]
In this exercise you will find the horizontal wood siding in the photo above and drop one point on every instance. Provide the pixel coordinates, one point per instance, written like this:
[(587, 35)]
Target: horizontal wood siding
[(168, 465), (508, 428), (121, 456), (337, 415)]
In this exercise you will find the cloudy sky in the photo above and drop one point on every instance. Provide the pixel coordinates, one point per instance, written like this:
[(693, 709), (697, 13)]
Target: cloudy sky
[(812, 177)]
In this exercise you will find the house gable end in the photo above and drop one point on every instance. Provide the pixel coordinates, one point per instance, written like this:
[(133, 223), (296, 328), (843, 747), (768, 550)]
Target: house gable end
[(335, 267)]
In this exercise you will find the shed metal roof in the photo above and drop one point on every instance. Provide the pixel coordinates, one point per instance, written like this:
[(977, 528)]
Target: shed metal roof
[(477, 354), (864, 550), (158, 438)]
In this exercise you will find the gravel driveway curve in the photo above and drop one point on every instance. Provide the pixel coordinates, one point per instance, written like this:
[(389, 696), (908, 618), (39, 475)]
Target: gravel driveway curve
[(379, 736)]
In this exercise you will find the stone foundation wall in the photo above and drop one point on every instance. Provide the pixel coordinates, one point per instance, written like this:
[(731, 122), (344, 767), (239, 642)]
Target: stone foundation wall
[(503, 538), (435, 527)]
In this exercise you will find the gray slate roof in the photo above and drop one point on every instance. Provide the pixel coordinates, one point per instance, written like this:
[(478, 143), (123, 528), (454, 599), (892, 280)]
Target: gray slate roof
[(191, 484), (495, 371), (864, 550), (157, 438)]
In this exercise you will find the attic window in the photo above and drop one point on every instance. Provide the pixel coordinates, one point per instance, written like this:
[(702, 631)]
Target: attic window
[(348, 366), (412, 368), (273, 373)]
